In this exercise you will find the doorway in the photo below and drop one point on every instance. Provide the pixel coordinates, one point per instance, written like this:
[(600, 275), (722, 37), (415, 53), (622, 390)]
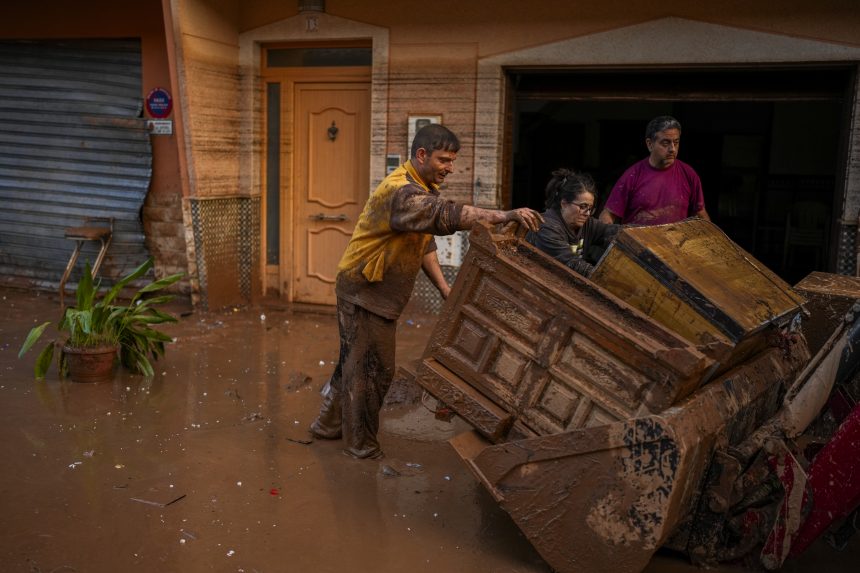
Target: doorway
[(317, 164), (767, 144)]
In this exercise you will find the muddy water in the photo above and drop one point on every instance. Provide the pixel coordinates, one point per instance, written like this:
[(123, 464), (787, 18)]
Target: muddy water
[(206, 466)]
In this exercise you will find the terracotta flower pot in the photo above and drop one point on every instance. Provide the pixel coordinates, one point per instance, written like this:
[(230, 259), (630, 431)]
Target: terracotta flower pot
[(91, 364)]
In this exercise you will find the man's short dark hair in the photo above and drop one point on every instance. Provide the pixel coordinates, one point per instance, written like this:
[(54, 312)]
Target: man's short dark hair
[(435, 137), (661, 123)]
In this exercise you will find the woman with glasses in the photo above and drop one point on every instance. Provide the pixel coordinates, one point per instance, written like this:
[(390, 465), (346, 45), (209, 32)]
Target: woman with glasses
[(569, 233)]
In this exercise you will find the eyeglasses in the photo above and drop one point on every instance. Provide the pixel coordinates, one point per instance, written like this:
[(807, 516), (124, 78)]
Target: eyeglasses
[(584, 207)]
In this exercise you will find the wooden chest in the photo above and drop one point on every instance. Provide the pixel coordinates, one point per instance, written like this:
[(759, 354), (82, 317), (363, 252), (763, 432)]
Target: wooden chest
[(526, 347), (690, 277)]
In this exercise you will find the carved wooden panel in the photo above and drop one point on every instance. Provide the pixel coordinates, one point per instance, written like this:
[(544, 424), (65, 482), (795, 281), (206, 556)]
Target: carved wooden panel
[(547, 347)]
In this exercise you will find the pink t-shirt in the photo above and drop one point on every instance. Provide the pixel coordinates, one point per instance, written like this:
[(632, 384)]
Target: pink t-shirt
[(648, 196)]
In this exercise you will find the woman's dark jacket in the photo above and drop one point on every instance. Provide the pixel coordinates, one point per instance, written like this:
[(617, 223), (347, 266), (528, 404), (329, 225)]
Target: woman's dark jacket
[(581, 250)]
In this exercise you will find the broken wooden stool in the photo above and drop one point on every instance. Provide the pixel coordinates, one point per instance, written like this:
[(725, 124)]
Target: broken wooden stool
[(100, 233)]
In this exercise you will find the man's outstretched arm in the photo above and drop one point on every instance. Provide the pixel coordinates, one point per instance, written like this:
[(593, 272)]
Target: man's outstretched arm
[(470, 215)]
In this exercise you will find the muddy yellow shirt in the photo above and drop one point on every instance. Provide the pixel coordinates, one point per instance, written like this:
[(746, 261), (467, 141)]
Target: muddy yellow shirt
[(394, 231)]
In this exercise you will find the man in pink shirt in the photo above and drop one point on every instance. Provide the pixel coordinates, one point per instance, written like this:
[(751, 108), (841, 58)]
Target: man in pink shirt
[(660, 188)]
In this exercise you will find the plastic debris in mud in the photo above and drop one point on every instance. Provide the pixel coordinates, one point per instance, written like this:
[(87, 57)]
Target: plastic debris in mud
[(159, 502), (389, 471)]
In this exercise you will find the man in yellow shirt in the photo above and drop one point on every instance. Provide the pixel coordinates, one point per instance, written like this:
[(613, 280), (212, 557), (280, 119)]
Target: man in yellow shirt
[(392, 240)]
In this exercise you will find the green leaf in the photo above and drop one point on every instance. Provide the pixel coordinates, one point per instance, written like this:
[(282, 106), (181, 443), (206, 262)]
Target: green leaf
[(146, 303), (158, 350), (152, 335), (161, 283), (34, 335), (163, 316), (136, 273), (86, 292), (63, 364), (145, 368), (43, 361), (153, 319), (136, 361)]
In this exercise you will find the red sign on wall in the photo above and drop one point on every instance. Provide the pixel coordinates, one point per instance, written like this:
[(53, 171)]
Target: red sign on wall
[(159, 103)]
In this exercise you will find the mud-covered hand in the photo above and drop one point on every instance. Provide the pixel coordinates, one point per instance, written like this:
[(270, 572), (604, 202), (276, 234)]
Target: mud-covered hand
[(530, 219)]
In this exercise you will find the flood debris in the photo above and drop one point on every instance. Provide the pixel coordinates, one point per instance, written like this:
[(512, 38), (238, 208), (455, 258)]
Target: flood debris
[(159, 503), (253, 416), (303, 441), (606, 408), (297, 379), (397, 469), (388, 471)]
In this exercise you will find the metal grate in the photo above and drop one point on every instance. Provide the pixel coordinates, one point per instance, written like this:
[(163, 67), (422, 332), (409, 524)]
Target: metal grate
[(226, 240), (452, 248), (846, 262)]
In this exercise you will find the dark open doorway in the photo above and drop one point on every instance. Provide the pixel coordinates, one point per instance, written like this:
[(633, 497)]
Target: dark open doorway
[(769, 146)]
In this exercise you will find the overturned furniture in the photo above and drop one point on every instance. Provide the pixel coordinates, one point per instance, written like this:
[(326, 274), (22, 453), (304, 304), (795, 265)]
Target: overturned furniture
[(605, 429)]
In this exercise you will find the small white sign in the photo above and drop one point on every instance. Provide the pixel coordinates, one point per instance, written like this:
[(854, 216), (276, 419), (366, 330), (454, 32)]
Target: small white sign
[(449, 249), (160, 126)]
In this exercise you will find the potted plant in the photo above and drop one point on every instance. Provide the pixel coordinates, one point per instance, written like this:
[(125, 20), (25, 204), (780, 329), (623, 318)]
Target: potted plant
[(97, 327)]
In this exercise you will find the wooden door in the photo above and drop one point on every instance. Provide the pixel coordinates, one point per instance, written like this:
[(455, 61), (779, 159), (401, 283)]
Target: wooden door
[(330, 181)]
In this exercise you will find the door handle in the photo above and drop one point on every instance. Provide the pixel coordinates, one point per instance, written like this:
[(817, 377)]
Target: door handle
[(324, 217)]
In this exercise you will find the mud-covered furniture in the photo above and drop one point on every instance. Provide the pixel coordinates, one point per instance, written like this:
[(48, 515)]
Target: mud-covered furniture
[(829, 297), (94, 229), (527, 346), (595, 423), (690, 277)]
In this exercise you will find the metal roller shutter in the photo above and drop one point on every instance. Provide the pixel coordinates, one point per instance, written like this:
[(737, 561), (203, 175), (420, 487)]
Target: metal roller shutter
[(72, 144)]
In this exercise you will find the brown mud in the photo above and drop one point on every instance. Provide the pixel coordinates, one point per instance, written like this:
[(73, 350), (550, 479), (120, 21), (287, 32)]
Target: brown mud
[(209, 466)]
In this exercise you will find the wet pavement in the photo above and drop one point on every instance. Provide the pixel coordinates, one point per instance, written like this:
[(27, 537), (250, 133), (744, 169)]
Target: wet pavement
[(208, 465)]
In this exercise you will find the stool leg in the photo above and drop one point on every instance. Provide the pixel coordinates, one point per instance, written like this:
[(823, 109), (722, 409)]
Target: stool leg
[(69, 267), (101, 255)]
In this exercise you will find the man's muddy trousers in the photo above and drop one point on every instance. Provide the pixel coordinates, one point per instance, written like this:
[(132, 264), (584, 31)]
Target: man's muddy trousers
[(359, 382)]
